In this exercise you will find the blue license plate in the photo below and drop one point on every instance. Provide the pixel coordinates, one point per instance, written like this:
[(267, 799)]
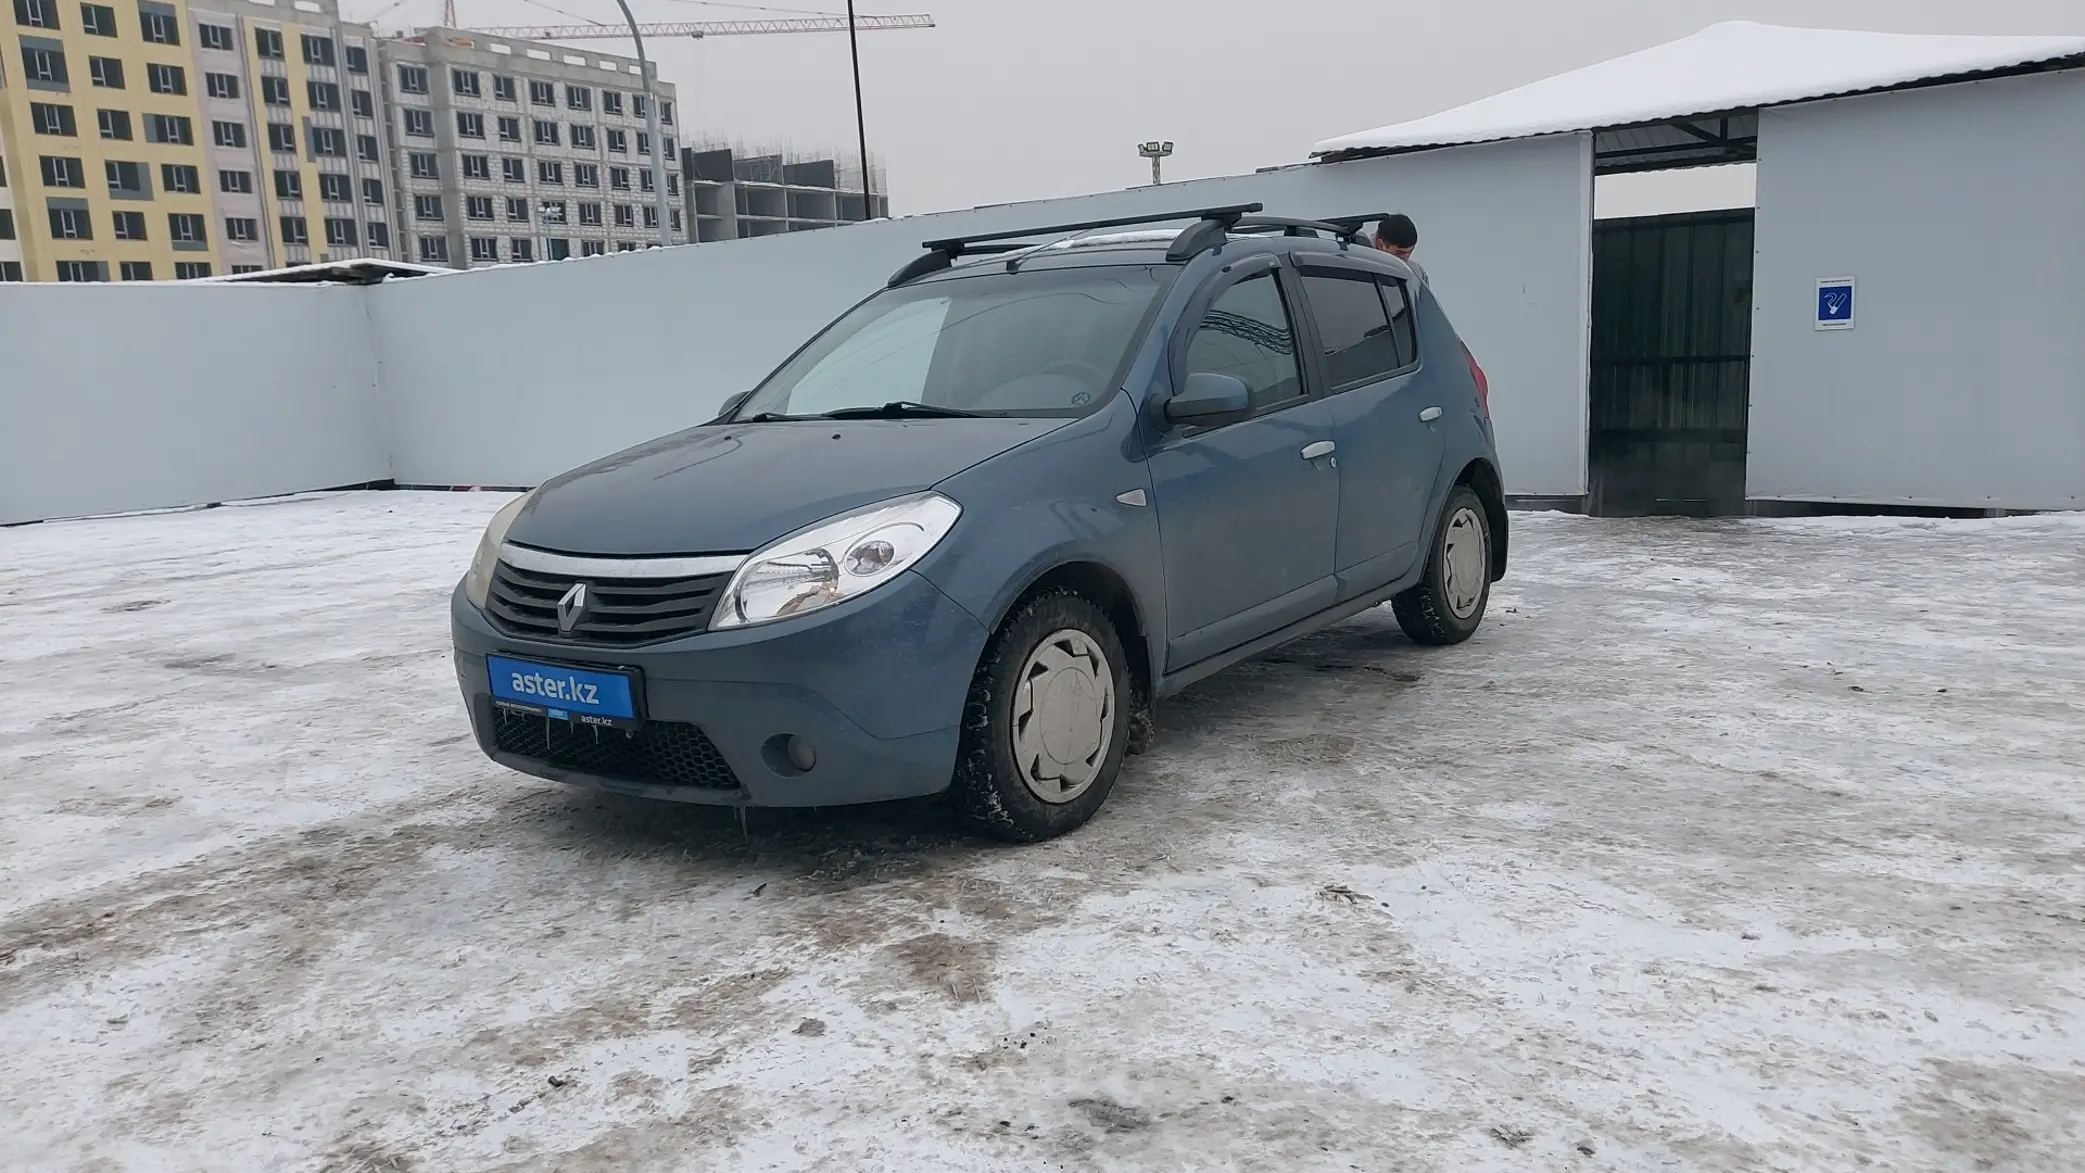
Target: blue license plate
[(585, 696)]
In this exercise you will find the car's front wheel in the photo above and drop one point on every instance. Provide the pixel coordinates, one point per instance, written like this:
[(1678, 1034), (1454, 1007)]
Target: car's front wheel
[(1448, 603), (1047, 722)]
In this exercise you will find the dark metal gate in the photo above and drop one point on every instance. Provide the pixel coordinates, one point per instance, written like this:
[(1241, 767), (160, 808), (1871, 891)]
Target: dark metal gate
[(1671, 364)]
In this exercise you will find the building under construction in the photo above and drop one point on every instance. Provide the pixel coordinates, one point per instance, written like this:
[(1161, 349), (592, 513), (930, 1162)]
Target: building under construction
[(736, 192)]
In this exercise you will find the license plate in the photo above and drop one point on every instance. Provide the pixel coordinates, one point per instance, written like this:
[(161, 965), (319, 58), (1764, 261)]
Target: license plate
[(584, 696)]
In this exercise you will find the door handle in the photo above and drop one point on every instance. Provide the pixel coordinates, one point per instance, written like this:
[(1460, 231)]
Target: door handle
[(1321, 448), (1429, 415)]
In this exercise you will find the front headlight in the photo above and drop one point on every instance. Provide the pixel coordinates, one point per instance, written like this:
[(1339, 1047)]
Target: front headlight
[(478, 583), (837, 559)]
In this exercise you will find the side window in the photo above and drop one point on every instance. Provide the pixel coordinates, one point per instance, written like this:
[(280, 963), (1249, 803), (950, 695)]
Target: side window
[(1400, 303), (1246, 333), (1353, 326)]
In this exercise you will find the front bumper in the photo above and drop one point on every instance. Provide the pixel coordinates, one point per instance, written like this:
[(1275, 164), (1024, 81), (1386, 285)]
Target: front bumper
[(876, 685)]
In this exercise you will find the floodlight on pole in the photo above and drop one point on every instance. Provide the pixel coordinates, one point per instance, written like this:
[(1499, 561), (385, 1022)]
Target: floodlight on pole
[(1155, 151)]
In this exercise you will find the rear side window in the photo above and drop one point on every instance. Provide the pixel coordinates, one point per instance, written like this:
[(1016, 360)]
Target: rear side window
[(1359, 326), (1246, 334)]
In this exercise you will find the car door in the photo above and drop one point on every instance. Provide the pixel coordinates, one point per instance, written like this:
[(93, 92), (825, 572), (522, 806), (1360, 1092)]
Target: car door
[(1247, 510), (1383, 421)]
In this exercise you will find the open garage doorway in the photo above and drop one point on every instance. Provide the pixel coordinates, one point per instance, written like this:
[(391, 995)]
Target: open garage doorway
[(1671, 364)]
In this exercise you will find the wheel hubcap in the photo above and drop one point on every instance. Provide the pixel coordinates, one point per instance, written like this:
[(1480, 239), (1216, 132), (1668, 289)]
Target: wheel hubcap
[(1466, 563), (1063, 716)]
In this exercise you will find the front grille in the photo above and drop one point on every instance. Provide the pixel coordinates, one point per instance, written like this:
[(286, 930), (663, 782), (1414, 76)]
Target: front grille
[(620, 611), (663, 753)]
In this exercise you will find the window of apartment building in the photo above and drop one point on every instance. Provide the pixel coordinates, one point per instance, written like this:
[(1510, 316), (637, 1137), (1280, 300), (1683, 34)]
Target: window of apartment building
[(317, 50), (557, 248), (98, 20), (243, 229), (611, 102), (485, 248), (169, 128), (127, 179), (477, 207), (159, 27), (129, 225), (427, 207), (235, 182), (644, 179), (282, 137), (289, 185), (180, 179), (187, 228), (341, 233), (136, 270), (191, 270), (221, 85), (48, 118), (586, 175), (582, 136), (62, 171), (550, 171), (624, 246), (644, 143), (434, 249), (373, 192), (469, 125), (71, 223), (522, 249), (6, 224), (665, 112), (215, 36), (626, 216), (11, 271), (364, 105), (105, 72), (619, 178), (267, 43), (477, 167), (637, 105), (513, 170), (275, 91), (419, 123), (328, 143), (114, 124), (412, 79), (517, 209), (44, 66), (675, 213), (324, 95), (546, 133), (590, 214), (651, 216), (553, 211), (618, 142), (579, 98), (83, 270), (542, 93), (228, 134), (464, 82), (336, 189), (357, 59), (592, 248), (503, 88), (510, 130), (379, 234), (246, 269), (294, 230), (367, 150), (166, 79), (424, 165)]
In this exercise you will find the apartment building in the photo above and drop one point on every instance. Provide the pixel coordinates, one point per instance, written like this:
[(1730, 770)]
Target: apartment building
[(146, 141), (731, 195), (512, 150), (11, 268)]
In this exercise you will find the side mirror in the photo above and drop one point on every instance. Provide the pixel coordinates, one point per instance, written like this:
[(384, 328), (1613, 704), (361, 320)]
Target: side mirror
[(1210, 398), (730, 405)]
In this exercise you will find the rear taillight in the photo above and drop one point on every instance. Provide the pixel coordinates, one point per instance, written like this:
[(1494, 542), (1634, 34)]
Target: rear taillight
[(1483, 384)]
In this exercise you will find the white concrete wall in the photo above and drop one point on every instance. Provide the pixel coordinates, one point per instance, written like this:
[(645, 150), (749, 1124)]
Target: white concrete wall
[(1960, 211), (508, 376), (134, 396)]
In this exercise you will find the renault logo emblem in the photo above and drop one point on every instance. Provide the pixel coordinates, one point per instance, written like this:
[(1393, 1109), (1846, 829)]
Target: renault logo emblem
[(571, 609)]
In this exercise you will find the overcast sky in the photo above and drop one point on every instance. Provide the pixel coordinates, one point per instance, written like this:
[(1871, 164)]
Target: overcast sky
[(1009, 100)]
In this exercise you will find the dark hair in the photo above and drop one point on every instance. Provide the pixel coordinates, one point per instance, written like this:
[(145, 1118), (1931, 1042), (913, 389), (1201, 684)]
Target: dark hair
[(1398, 230)]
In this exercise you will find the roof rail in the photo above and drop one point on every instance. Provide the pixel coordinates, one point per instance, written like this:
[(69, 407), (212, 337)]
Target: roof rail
[(1210, 227), (1347, 228)]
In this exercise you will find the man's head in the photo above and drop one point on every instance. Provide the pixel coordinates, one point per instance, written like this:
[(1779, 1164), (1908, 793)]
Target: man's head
[(1397, 235)]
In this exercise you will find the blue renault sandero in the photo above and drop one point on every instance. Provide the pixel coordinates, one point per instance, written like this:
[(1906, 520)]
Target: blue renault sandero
[(964, 538)]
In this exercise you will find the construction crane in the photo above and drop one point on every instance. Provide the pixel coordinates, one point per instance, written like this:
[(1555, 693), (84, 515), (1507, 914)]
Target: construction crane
[(702, 28)]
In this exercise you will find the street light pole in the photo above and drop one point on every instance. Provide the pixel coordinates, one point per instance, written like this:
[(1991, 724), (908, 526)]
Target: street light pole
[(861, 126), (651, 124), (1155, 151)]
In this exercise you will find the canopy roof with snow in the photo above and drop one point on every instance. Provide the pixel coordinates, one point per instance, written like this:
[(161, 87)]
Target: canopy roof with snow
[(1696, 100)]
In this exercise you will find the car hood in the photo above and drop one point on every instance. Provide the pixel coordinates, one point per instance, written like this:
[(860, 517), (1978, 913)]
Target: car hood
[(732, 488)]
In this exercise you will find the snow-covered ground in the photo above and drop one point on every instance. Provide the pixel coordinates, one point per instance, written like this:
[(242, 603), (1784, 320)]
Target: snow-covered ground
[(1724, 846)]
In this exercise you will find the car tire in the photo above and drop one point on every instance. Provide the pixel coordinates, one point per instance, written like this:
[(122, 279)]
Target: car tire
[(1448, 603), (1047, 721)]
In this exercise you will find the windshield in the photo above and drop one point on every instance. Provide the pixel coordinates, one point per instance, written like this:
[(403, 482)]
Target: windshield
[(1041, 343)]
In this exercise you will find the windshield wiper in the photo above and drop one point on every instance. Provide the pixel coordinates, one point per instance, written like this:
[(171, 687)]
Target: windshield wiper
[(899, 409), (769, 417)]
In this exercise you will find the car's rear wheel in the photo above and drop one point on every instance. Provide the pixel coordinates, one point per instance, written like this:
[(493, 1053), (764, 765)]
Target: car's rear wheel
[(1448, 603), (1047, 722)]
